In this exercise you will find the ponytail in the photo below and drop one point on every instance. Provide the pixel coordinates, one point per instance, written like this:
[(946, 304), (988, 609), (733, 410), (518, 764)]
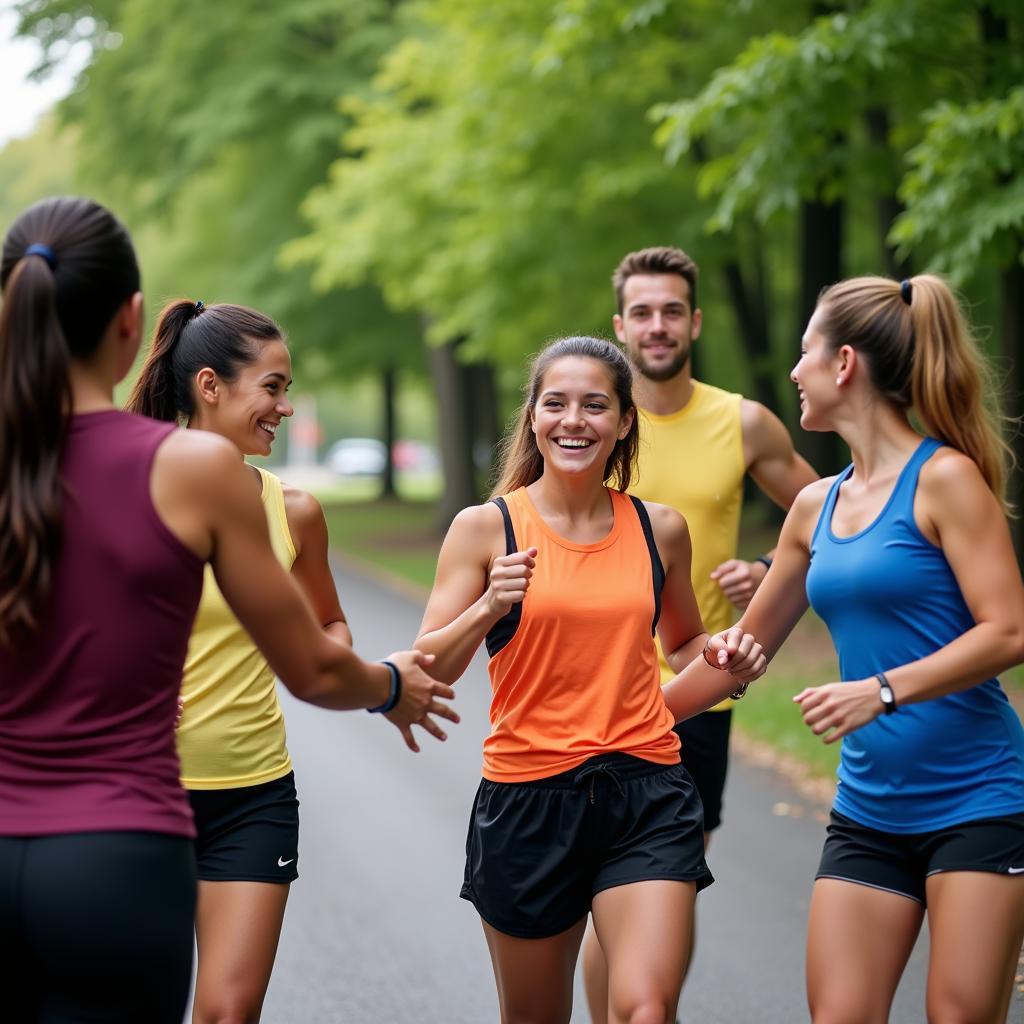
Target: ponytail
[(189, 337), (67, 266), (155, 393), (952, 386), (922, 357)]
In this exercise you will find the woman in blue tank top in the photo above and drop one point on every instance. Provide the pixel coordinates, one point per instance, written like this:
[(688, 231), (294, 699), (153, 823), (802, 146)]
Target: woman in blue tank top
[(907, 558)]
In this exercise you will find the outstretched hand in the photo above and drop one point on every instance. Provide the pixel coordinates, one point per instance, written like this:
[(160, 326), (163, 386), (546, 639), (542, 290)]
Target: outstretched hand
[(419, 700), (509, 580), (737, 653), (839, 707)]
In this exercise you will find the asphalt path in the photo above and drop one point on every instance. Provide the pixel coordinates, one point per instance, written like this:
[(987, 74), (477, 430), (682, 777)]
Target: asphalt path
[(375, 931)]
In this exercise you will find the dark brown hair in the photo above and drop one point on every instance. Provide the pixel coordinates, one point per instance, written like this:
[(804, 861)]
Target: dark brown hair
[(57, 307), (658, 259), (922, 356), (520, 459), (188, 338)]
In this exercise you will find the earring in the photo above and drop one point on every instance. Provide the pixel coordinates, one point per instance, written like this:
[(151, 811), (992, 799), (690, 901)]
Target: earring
[(839, 381)]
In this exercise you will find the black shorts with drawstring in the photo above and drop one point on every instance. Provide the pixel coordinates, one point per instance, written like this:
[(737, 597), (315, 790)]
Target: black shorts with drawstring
[(538, 852)]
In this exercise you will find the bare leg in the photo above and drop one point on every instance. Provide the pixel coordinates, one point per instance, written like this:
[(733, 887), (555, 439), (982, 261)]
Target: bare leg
[(595, 966), (644, 929), (858, 942), (534, 976), (238, 925), (977, 925)]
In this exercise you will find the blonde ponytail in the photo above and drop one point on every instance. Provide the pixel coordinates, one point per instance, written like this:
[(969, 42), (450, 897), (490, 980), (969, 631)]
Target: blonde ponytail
[(923, 357)]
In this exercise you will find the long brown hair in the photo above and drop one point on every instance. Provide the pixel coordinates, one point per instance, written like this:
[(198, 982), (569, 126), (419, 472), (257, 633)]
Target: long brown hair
[(188, 337), (922, 357), (57, 304), (520, 460)]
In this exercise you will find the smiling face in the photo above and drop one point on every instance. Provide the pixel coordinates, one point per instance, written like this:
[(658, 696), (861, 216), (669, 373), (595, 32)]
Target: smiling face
[(249, 409), (658, 324), (578, 419), (816, 377)]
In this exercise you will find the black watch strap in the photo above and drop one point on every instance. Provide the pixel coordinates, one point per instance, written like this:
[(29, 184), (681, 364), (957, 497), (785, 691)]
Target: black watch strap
[(885, 693)]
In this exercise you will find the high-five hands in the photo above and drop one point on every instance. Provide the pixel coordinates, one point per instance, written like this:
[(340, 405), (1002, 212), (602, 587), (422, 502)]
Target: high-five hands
[(737, 653), (509, 580), (419, 700)]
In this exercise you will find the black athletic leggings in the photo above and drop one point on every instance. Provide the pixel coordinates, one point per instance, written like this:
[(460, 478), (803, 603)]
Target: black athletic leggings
[(96, 927)]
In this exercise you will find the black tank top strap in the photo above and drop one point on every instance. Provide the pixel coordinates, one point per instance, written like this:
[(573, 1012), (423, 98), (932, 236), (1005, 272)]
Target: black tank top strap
[(657, 568), (505, 628)]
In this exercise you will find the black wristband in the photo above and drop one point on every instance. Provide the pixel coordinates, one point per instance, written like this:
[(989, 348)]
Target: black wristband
[(396, 691), (765, 560)]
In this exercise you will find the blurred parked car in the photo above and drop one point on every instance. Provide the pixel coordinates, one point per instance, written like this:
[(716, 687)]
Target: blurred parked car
[(357, 456)]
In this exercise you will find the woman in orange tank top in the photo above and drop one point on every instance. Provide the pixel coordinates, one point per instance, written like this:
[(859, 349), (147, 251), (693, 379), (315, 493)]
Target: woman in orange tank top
[(583, 806)]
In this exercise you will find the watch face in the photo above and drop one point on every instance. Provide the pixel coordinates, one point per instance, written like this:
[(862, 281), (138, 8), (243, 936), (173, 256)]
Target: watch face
[(886, 696)]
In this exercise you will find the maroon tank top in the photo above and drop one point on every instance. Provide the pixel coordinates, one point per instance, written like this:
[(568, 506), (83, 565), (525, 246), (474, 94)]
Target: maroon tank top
[(88, 703)]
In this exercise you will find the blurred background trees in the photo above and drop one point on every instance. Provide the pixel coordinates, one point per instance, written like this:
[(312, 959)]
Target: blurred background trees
[(424, 191)]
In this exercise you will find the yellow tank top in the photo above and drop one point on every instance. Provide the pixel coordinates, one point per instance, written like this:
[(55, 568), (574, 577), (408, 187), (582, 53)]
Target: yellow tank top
[(232, 729), (692, 460)]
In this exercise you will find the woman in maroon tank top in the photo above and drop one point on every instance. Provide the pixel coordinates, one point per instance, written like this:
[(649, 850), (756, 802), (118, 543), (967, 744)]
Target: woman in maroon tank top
[(106, 520)]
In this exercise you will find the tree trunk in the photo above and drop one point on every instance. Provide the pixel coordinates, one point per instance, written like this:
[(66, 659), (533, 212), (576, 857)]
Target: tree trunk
[(887, 206), (389, 432), (821, 235), (482, 394), (1011, 352), (752, 320), (455, 431)]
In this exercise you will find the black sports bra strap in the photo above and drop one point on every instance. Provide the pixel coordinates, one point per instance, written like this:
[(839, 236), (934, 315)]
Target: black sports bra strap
[(510, 534), (657, 568), (505, 628)]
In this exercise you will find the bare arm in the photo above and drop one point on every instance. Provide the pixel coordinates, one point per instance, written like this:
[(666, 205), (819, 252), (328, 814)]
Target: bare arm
[(780, 473), (956, 510), (202, 491), (737, 656), (311, 566), (771, 615), (475, 585)]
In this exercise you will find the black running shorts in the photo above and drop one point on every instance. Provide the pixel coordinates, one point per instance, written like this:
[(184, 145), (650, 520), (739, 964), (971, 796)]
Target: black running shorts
[(250, 834), (538, 852), (704, 752), (901, 863)]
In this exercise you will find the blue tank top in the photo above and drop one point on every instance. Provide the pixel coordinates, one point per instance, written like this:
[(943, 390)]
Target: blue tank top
[(889, 597)]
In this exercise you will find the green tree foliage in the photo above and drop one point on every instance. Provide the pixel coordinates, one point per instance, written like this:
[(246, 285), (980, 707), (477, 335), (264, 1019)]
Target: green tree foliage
[(210, 122)]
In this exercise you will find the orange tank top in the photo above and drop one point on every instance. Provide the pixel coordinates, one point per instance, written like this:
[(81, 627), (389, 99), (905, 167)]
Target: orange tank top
[(573, 670)]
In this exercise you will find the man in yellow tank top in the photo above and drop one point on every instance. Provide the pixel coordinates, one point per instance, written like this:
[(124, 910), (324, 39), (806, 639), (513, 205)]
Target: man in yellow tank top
[(697, 443)]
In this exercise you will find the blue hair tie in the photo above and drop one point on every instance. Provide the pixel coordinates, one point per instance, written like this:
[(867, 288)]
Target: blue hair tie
[(906, 290), (38, 249)]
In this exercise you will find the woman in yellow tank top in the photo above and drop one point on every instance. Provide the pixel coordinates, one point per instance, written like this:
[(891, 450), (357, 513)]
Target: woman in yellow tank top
[(226, 369), (583, 806)]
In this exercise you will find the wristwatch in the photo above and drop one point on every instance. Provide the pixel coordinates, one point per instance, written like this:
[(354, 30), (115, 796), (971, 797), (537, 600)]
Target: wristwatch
[(885, 694)]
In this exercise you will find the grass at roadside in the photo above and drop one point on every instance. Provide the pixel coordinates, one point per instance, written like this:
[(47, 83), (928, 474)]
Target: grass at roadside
[(400, 536)]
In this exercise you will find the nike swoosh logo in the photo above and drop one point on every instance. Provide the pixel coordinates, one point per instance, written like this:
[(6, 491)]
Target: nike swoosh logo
[(281, 863), (1016, 871)]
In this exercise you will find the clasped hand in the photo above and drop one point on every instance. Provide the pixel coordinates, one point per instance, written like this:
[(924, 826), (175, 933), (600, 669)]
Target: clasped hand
[(737, 653)]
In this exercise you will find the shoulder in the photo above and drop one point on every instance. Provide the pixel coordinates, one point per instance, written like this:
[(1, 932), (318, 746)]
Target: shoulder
[(199, 456), (668, 524), (951, 484), (756, 418), (476, 519), (301, 508)]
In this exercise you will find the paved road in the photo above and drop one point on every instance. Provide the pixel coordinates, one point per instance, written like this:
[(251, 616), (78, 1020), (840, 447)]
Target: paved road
[(376, 934)]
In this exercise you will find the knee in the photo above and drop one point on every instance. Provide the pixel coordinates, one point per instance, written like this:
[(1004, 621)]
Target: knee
[(648, 1011), (226, 1010)]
